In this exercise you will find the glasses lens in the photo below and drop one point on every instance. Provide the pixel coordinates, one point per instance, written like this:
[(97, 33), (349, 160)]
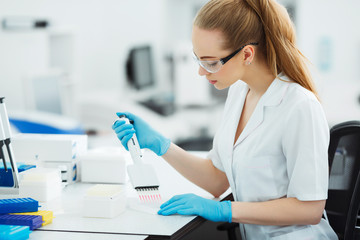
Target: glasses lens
[(211, 66)]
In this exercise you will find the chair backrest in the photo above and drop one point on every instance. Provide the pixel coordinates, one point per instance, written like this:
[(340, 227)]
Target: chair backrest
[(343, 202)]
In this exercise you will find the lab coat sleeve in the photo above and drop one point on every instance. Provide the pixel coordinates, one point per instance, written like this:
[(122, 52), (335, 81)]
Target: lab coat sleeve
[(305, 145), (214, 156)]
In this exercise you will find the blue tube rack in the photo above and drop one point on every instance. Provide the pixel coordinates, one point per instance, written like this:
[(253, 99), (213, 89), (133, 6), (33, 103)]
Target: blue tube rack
[(10, 232), (33, 221), (18, 205), (6, 177)]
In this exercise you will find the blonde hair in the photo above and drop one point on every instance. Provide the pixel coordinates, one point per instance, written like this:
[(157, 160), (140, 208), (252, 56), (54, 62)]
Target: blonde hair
[(263, 21)]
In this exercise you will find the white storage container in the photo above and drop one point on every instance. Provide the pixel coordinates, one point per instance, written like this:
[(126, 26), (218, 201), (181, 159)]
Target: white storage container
[(49, 147), (70, 171), (104, 165), (41, 184), (104, 201)]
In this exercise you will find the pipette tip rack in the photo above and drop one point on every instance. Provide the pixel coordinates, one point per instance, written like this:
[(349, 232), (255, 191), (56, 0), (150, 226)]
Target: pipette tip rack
[(149, 194)]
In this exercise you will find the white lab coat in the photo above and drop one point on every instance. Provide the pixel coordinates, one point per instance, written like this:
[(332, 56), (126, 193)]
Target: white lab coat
[(282, 152)]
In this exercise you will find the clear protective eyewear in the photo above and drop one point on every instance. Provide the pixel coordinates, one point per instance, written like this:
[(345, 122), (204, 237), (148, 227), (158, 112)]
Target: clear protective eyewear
[(213, 66)]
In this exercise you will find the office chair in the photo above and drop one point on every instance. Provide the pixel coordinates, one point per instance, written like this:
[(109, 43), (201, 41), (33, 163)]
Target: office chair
[(342, 205)]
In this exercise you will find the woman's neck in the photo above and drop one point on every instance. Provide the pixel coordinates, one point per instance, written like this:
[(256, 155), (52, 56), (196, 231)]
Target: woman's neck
[(259, 78)]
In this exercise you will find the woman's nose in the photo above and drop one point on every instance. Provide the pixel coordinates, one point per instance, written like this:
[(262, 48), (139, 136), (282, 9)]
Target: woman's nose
[(202, 71)]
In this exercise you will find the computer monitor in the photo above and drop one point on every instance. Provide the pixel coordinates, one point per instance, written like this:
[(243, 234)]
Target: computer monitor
[(141, 76), (139, 68)]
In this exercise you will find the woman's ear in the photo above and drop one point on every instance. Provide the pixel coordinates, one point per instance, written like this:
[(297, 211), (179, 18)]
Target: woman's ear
[(249, 53)]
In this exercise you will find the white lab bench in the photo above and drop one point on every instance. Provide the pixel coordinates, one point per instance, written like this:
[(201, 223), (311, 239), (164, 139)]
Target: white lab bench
[(132, 223), (54, 235)]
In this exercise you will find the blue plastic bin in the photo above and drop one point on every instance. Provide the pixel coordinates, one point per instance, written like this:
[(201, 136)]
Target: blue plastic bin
[(11, 232), (18, 205), (32, 221)]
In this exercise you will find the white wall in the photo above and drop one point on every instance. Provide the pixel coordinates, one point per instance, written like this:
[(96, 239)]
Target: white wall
[(17, 59), (329, 35)]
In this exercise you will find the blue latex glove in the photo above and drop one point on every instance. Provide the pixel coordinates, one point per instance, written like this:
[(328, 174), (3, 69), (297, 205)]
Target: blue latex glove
[(147, 137), (190, 204)]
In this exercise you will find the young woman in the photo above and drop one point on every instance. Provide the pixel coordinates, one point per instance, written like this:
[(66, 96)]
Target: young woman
[(271, 147)]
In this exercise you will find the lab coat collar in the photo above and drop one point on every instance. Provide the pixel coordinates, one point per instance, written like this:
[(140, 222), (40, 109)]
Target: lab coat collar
[(276, 91), (272, 97)]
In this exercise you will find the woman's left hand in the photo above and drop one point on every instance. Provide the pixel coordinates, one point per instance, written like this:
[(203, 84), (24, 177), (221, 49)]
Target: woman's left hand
[(191, 204)]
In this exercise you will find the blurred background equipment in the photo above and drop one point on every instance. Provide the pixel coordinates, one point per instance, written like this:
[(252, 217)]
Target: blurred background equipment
[(144, 65), (141, 76)]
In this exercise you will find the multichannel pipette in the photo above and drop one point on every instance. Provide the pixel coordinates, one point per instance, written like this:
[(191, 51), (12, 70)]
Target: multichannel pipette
[(142, 176)]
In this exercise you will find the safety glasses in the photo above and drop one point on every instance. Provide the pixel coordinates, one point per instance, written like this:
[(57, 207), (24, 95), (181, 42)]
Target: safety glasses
[(213, 66)]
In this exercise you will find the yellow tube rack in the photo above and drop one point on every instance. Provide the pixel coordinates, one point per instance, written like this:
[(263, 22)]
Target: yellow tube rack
[(47, 216)]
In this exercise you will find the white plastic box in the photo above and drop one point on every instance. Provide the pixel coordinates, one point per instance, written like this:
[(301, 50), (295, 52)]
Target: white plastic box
[(49, 147), (41, 184), (104, 201), (70, 171), (104, 165)]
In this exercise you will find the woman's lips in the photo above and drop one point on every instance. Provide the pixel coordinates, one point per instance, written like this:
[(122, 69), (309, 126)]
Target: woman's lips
[(212, 81)]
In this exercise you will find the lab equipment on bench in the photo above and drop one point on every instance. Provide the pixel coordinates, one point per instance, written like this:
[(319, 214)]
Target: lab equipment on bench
[(104, 201), (60, 151), (6, 152), (32, 221), (42, 184), (69, 170), (104, 165), (142, 176), (6, 177), (47, 216), (18, 205), (11, 232), (49, 147)]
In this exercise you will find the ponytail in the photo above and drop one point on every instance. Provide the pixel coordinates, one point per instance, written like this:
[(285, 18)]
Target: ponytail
[(263, 21)]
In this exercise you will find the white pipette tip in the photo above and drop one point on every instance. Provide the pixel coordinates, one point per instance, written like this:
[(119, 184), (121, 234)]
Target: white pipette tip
[(149, 195)]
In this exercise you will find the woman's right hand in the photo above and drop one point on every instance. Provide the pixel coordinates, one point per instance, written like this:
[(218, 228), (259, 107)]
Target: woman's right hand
[(146, 135)]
